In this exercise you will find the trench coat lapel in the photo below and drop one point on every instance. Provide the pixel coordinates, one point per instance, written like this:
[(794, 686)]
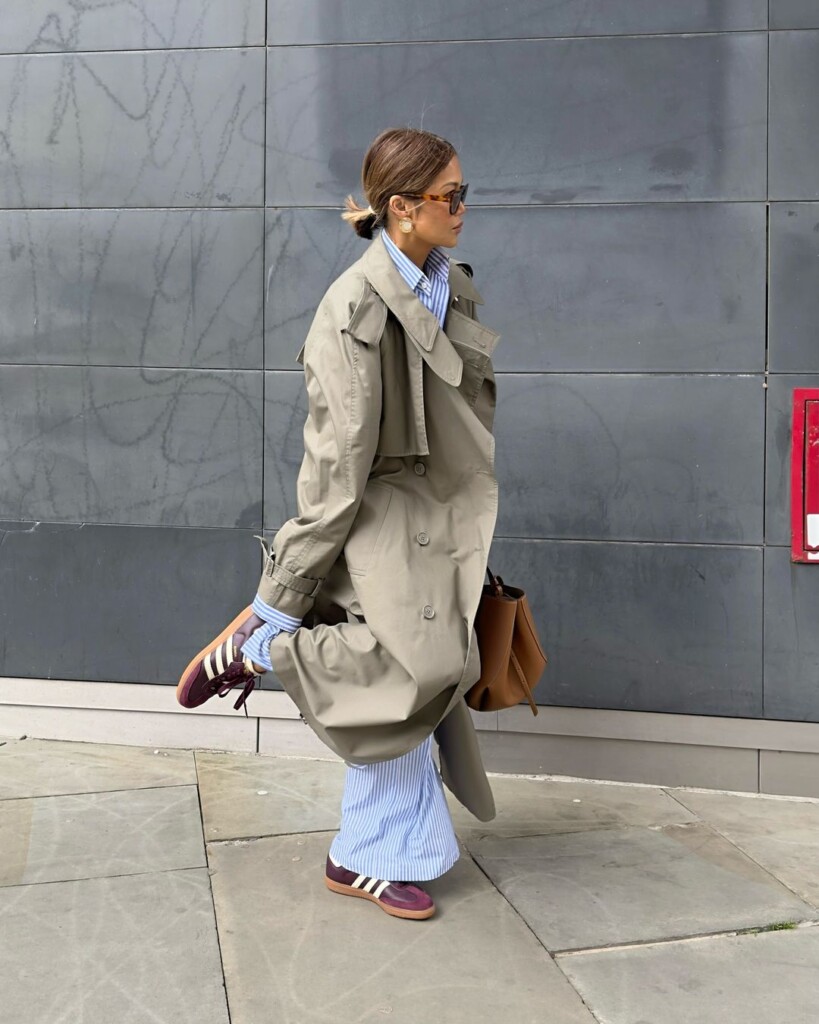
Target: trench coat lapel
[(467, 332), (420, 326)]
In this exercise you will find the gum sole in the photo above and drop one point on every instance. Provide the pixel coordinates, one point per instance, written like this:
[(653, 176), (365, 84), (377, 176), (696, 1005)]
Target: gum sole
[(226, 632), (348, 890)]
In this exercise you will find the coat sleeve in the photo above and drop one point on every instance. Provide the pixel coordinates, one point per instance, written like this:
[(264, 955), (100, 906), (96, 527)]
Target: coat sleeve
[(343, 378)]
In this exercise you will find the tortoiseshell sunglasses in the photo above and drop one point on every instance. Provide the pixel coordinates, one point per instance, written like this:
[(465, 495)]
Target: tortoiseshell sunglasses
[(454, 198)]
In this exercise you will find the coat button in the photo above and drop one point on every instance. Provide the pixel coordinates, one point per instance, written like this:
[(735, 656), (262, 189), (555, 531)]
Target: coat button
[(429, 611), (420, 469), (423, 539)]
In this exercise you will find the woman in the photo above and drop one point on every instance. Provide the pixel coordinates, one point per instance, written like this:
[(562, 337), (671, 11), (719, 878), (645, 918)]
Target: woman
[(368, 597)]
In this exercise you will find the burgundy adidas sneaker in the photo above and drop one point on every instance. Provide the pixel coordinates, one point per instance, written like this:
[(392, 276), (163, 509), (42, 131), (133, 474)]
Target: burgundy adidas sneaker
[(220, 666), (398, 899)]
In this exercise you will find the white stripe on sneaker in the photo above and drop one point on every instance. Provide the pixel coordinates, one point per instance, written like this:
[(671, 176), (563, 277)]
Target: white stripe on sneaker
[(220, 661), (380, 889), (359, 881), (209, 672), (371, 885)]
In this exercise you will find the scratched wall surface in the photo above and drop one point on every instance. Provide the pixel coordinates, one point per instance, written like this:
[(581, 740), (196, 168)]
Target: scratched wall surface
[(644, 225)]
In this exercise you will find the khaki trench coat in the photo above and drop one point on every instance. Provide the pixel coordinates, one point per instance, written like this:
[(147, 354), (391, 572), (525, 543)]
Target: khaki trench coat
[(397, 502)]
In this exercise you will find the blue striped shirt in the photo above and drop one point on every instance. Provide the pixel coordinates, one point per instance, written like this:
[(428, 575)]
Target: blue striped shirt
[(431, 285)]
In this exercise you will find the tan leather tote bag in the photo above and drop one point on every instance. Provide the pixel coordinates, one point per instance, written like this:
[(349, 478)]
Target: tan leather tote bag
[(512, 660)]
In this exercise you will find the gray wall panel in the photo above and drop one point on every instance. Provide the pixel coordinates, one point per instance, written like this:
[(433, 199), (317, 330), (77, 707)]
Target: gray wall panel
[(793, 126), (671, 287), (148, 288), (631, 458), (778, 454), (644, 627), (794, 14), (661, 118), (791, 638), (178, 128), (124, 604), (148, 447), (643, 287), (327, 21), (305, 251), (285, 410), (39, 26), (793, 301)]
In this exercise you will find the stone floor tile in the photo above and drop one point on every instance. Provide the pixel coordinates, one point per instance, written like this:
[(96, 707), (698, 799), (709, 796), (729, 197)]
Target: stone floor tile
[(293, 951), (770, 978), (543, 807), (47, 839), (131, 950), (54, 767), (612, 886), (249, 795), (781, 835)]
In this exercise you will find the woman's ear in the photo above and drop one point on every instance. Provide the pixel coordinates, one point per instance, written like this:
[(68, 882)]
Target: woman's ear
[(398, 206)]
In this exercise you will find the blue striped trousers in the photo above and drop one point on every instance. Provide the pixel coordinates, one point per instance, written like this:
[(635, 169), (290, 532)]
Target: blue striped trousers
[(395, 823)]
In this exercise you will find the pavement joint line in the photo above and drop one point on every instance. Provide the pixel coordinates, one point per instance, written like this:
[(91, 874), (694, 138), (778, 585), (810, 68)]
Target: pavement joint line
[(98, 792), (477, 834), (260, 754), (103, 878), (210, 891), (768, 871), (762, 867), (534, 935), (238, 840), (670, 793), (511, 905), (752, 930)]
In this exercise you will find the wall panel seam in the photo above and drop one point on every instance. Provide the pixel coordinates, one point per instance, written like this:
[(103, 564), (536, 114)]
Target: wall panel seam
[(724, 33)]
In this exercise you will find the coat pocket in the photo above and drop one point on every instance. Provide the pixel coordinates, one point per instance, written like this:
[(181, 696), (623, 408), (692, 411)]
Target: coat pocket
[(367, 527)]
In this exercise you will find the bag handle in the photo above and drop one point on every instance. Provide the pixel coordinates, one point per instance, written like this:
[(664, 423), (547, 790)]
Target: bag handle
[(523, 682), (495, 582)]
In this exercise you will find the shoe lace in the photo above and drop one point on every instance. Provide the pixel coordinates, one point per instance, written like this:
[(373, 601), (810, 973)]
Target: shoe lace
[(235, 674)]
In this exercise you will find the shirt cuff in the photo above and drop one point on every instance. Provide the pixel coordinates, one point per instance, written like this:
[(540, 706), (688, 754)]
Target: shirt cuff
[(257, 645), (276, 618)]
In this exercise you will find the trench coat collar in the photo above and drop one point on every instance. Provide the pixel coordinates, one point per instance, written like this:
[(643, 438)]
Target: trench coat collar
[(420, 325)]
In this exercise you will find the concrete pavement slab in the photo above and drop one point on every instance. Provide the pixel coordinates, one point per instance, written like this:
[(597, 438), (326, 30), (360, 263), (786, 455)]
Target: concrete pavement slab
[(599, 888), (54, 767), (261, 796), (293, 951), (781, 835), (131, 950), (544, 806), (770, 978), (47, 839)]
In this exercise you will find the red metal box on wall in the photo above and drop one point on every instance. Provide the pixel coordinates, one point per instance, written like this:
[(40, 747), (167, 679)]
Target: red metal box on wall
[(805, 476)]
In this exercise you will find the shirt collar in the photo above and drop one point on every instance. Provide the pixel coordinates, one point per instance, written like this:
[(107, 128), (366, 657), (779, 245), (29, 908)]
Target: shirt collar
[(437, 264)]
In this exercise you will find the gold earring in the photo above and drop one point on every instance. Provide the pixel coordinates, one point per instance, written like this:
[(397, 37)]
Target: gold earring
[(405, 224)]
